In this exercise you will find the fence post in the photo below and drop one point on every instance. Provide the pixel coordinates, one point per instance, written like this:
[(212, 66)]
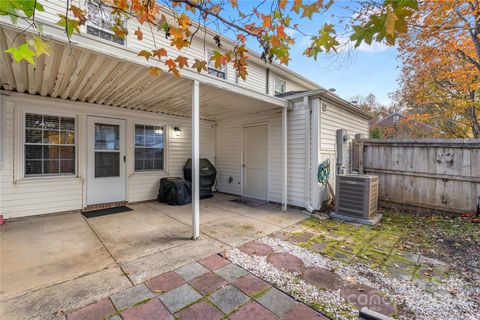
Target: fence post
[(360, 157)]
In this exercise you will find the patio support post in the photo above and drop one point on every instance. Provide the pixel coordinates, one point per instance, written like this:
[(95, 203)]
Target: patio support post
[(195, 160), (284, 159)]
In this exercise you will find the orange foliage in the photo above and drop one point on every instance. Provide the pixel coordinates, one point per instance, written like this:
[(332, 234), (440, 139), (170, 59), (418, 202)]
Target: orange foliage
[(441, 72)]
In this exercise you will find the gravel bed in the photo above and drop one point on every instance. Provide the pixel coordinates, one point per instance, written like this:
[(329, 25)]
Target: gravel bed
[(331, 301), (417, 301)]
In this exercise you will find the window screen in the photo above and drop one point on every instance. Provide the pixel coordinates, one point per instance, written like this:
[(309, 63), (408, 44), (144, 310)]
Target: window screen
[(100, 22), (107, 150), (49, 145), (220, 72), (149, 147), (280, 86)]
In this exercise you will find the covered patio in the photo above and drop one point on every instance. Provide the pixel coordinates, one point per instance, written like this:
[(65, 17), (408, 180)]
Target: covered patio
[(62, 262), (102, 82)]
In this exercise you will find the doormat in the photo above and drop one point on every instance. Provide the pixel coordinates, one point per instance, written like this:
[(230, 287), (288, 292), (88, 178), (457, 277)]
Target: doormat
[(250, 202), (106, 212)]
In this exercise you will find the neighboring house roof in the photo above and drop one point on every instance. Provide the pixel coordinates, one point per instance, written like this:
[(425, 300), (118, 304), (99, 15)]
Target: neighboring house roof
[(396, 117)]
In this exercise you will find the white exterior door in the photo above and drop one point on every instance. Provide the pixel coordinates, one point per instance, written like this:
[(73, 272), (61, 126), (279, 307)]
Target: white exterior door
[(106, 176), (255, 162)]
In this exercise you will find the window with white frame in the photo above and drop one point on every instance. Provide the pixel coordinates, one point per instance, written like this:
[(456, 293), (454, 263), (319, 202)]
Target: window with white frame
[(220, 72), (280, 86), (100, 22), (49, 145), (149, 147)]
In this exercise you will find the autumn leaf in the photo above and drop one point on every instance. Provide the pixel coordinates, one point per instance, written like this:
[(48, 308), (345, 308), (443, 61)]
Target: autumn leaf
[(241, 38), (23, 52), (154, 71), (390, 21), (145, 53), (160, 52), (70, 25), (234, 4), (200, 65), (40, 46), (267, 21), (183, 21), (78, 14), (172, 67), (139, 34), (182, 61)]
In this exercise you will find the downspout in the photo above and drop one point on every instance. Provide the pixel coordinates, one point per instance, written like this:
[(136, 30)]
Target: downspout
[(308, 143), (267, 81), (315, 156)]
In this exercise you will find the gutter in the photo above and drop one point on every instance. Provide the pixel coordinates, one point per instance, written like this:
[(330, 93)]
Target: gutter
[(327, 95)]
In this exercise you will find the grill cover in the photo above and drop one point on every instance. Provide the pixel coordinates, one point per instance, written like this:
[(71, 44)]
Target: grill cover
[(175, 191), (208, 174)]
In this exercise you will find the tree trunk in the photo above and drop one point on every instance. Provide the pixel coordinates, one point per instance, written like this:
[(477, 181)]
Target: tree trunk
[(474, 117)]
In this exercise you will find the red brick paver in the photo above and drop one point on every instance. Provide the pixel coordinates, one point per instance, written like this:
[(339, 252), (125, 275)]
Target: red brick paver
[(208, 283), (151, 310), (253, 311), (214, 262), (323, 278), (200, 311), (256, 249), (165, 282), (251, 285), (96, 311), (286, 262), (365, 296), (301, 311)]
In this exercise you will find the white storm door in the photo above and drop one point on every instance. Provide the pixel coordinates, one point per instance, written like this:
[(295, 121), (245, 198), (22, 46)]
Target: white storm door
[(106, 174), (255, 162)]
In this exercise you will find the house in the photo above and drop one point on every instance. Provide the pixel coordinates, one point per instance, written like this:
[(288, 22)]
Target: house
[(398, 125), (88, 127)]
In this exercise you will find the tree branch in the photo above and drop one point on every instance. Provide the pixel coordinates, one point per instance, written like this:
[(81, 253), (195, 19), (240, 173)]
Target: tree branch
[(208, 12)]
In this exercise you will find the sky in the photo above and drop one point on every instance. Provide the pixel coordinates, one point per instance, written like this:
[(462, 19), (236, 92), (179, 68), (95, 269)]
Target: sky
[(367, 69)]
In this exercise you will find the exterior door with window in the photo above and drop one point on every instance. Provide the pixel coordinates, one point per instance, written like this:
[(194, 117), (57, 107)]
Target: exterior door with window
[(255, 162), (106, 174)]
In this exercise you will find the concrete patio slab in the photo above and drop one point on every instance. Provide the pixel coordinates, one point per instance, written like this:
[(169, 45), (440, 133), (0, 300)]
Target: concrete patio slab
[(269, 213), (43, 251), (50, 303), (138, 233), (150, 266)]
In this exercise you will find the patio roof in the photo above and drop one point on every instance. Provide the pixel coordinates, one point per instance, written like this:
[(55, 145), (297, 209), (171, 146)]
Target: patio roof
[(117, 77)]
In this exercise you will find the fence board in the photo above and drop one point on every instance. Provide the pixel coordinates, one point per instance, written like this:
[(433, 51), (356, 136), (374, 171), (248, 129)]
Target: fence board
[(439, 174)]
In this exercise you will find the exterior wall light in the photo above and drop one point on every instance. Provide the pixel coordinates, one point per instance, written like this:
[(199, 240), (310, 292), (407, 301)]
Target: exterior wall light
[(177, 131)]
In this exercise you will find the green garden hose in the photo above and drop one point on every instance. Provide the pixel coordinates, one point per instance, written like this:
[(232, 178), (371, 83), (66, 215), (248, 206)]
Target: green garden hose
[(323, 172)]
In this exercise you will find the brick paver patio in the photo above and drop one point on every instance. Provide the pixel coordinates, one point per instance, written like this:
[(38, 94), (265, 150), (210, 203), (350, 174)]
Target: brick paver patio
[(211, 288)]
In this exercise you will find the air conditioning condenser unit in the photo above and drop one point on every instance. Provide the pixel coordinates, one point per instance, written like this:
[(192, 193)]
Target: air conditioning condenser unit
[(356, 198)]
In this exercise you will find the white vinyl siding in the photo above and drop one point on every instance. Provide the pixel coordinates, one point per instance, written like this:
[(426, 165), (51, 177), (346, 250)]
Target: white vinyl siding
[(331, 119), (229, 154), (34, 196)]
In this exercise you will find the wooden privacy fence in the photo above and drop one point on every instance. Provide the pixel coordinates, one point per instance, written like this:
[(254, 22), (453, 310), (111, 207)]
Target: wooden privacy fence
[(438, 174)]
